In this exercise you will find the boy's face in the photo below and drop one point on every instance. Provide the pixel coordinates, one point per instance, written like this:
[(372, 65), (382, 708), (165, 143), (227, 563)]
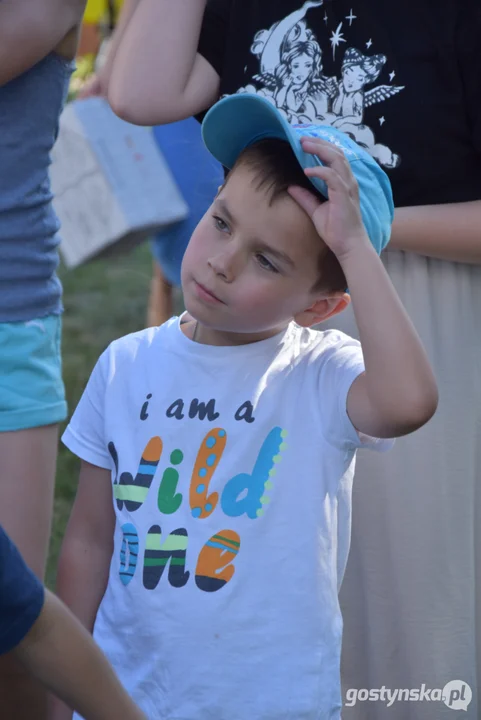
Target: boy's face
[(251, 266)]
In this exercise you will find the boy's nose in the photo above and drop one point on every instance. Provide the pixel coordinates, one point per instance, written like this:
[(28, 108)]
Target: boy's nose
[(223, 266)]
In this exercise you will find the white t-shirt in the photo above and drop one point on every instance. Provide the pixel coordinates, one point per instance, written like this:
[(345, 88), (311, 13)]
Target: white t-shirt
[(232, 471)]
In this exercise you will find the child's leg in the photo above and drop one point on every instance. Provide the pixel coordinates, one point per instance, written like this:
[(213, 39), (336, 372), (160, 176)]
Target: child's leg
[(27, 478), (160, 301), (32, 403)]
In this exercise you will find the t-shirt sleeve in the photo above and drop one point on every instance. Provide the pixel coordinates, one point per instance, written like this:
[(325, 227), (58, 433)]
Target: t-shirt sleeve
[(214, 33), (85, 434), (340, 363), (21, 596)]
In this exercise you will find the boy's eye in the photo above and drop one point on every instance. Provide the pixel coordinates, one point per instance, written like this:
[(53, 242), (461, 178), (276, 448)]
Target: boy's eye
[(265, 263), (220, 224)]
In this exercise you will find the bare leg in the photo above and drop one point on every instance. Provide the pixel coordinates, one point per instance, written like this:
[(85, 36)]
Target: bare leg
[(27, 478), (160, 301)]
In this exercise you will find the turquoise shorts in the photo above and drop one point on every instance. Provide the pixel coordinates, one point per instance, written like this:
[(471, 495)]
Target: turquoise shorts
[(32, 393)]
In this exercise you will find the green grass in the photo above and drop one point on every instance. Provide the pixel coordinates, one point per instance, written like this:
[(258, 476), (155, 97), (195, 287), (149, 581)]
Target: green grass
[(103, 300)]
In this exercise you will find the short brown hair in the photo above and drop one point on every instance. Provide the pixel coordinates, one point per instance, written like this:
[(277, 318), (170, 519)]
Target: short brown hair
[(275, 168)]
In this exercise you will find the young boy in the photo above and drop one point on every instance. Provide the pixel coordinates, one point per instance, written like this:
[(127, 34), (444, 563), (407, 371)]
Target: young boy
[(423, 115), (227, 438), (53, 646)]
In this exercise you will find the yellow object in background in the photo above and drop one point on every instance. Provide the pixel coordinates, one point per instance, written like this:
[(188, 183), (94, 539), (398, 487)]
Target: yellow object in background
[(97, 10)]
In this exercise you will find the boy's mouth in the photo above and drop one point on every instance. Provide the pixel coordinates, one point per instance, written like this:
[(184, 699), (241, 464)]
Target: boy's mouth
[(206, 294)]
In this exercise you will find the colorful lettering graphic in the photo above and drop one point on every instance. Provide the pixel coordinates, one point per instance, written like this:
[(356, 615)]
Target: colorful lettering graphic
[(208, 458), (247, 493), (128, 490), (214, 568), (244, 494), (168, 501), (157, 555), (129, 553)]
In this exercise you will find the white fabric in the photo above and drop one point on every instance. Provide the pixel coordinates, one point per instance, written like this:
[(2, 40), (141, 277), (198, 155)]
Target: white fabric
[(266, 644), (411, 596)]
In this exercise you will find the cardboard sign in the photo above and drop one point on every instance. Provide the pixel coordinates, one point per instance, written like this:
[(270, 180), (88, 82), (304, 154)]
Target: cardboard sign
[(112, 185)]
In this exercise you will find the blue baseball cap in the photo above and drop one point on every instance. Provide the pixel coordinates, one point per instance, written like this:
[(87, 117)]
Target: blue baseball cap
[(241, 120)]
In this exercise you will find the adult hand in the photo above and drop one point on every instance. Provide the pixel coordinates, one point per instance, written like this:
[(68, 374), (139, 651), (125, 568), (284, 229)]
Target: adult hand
[(94, 87)]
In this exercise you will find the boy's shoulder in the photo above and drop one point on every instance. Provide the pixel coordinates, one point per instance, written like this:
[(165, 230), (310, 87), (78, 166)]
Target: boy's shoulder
[(133, 344), (298, 339), (317, 345), (299, 347)]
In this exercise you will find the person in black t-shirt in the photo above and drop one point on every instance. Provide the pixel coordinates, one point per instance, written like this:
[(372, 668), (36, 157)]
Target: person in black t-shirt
[(404, 79), (52, 644)]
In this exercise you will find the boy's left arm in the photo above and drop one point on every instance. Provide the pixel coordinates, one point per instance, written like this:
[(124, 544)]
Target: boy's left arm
[(397, 393)]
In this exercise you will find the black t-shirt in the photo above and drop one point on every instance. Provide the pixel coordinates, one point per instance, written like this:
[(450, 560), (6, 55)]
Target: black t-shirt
[(21, 596), (402, 77)]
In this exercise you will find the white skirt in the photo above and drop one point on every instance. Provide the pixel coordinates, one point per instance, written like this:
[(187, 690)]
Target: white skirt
[(411, 596)]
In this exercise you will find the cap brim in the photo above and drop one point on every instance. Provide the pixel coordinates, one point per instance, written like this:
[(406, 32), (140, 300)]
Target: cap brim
[(241, 120)]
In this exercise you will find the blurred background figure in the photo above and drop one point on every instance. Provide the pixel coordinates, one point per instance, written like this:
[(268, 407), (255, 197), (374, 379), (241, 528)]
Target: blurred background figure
[(197, 174), (38, 44)]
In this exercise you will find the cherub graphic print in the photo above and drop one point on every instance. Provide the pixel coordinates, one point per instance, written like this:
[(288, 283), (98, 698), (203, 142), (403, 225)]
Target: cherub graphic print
[(292, 75)]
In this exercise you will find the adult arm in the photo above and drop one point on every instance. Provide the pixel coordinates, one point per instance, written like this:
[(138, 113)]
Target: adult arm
[(86, 553), (98, 84), (61, 653), (158, 76), (31, 29), (448, 232)]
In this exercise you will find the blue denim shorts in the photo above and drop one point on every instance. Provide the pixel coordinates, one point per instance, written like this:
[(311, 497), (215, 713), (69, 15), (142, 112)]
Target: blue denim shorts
[(32, 393)]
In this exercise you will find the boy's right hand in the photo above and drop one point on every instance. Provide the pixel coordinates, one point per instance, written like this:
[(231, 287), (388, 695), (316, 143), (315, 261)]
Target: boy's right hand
[(338, 221)]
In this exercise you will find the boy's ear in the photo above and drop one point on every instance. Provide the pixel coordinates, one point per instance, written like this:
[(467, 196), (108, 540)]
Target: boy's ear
[(323, 309)]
